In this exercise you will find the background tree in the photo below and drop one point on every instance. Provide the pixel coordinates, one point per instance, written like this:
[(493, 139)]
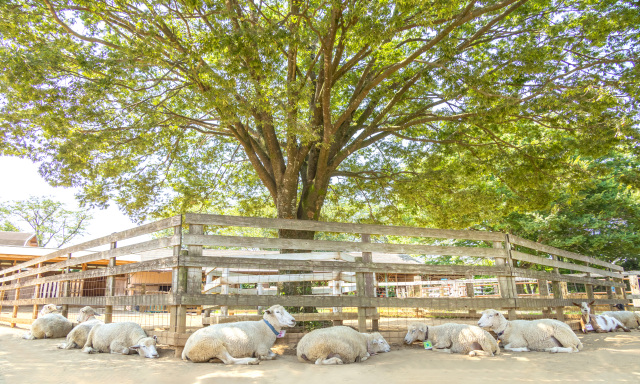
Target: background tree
[(51, 222), (193, 105)]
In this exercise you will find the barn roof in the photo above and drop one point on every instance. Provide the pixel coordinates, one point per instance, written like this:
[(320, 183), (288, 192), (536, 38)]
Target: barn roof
[(20, 239)]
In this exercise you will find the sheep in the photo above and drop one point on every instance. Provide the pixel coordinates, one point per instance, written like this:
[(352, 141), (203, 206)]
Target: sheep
[(244, 342), (454, 338), (536, 335), (597, 323), (339, 345), (78, 335), (50, 324), (124, 338), (628, 318)]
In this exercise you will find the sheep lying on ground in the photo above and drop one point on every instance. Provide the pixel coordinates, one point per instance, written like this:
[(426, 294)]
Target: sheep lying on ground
[(627, 318), (78, 335), (597, 323), (454, 338), (49, 325), (238, 343), (339, 345), (124, 338), (537, 335)]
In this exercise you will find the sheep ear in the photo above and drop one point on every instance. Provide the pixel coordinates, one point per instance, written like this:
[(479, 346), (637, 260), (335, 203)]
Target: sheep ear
[(591, 303), (268, 312), (577, 305), (155, 337), (137, 346)]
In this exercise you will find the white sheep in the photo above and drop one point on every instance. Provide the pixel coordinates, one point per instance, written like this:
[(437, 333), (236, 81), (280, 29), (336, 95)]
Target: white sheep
[(536, 335), (628, 318), (49, 325), (123, 338), (454, 338), (238, 343), (597, 323), (339, 345), (78, 335)]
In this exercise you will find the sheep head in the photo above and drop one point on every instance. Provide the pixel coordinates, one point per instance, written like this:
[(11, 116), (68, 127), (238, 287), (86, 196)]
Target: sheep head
[(146, 347), (416, 331), (50, 308), (85, 314), (376, 343), (491, 319), (277, 315)]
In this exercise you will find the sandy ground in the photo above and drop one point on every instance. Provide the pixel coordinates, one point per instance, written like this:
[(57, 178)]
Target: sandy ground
[(606, 358)]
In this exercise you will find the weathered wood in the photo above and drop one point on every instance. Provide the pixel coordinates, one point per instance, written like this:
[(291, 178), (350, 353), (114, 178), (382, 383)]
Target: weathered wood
[(557, 292), (16, 320), (559, 252), (339, 316), (317, 226), (341, 246), (339, 266), (634, 284), (150, 265), (130, 233), (561, 264), (521, 272), (460, 303), (110, 289), (101, 301), (121, 251)]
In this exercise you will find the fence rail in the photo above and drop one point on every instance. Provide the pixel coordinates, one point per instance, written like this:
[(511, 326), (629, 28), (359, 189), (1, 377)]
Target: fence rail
[(207, 270)]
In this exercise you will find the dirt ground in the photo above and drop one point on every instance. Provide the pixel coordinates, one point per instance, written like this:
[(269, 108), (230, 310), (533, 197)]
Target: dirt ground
[(606, 358)]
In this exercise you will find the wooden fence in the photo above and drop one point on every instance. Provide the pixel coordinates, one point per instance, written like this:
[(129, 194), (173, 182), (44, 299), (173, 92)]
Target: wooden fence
[(344, 255)]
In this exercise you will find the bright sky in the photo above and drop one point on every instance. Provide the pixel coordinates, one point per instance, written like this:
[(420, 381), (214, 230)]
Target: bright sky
[(20, 179)]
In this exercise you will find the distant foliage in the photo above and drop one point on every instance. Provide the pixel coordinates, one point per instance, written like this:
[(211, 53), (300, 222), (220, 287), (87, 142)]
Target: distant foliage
[(53, 224)]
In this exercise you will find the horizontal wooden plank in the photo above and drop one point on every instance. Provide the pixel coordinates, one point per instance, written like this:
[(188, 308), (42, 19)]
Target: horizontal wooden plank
[(150, 265), (561, 264), (541, 302), (100, 301), (298, 256), (160, 243), (340, 246), (348, 301), (16, 320), (318, 226), (560, 252), (340, 266), (118, 236), (521, 272), (298, 316)]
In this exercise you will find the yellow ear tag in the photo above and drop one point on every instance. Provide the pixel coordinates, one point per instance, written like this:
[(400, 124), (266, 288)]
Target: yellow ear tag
[(427, 345)]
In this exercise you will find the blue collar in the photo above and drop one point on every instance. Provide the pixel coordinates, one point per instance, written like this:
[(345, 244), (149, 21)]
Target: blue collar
[(271, 327)]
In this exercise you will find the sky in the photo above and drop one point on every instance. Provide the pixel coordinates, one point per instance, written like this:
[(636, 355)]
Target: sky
[(20, 180)]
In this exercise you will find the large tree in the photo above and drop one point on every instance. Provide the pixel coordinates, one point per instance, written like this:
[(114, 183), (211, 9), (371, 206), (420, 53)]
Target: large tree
[(186, 104)]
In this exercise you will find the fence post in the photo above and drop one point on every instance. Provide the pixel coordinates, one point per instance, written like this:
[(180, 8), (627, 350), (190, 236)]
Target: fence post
[(543, 293), (14, 313), (589, 288), (471, 293), (369, 285), (360, 288), (557, 292), (36, 294), (66, 289), (507, 284), (635, 289), (110, 288)]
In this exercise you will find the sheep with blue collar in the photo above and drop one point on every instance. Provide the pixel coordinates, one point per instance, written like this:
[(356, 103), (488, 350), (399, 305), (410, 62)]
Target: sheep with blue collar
[(546, 335), (243, 342)]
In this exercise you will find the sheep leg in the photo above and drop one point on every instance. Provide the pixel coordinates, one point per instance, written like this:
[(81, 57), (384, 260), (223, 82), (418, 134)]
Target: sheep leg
[(28, 336), (268, 355), (226, 358), (479, 352), (443, 350), (562, 350), (119, 348), (69, 345), (333, 360), (508, 347)]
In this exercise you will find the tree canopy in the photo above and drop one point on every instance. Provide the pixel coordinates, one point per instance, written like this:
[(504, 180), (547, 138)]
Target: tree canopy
[(166, 106), (52, 223)]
